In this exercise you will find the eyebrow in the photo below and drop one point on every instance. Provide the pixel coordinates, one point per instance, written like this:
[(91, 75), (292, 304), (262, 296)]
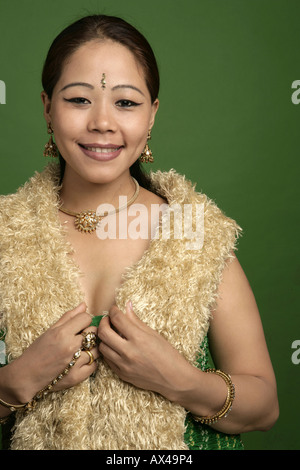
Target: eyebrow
[(117, 87), (88, 85), (77, 84)]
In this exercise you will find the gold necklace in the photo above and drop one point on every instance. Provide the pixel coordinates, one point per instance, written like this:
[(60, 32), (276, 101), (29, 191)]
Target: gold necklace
[(87, 221)]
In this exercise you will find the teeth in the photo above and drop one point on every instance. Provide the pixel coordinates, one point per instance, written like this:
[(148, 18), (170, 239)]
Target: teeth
[(102, 150)]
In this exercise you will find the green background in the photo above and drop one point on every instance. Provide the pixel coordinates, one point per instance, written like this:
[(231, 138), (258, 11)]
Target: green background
[(226, 120)]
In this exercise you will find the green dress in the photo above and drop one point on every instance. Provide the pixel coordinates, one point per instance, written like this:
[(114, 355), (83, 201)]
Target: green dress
[(197, 436), (200, 436)]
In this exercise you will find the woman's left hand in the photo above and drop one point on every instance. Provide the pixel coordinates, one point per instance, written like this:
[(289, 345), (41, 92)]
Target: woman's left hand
[(140, 355)]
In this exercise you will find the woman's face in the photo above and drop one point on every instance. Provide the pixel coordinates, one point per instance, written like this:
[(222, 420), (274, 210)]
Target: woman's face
[(100, 111)]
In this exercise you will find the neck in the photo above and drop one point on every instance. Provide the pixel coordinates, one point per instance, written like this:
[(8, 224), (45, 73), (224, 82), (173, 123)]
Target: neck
[(78, 194)]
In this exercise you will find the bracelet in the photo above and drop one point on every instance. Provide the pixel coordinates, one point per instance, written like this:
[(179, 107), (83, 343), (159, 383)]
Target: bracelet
[(42, 393), (10, 406), (3, 420), (228, 402)]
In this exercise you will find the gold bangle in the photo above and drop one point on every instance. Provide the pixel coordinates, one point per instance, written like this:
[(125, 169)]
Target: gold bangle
[(12, 407), (42, 393), (228, 402), (3, 420)]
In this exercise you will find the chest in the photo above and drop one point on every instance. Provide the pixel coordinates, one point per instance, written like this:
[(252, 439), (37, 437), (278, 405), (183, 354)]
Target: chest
[(169, 286), (102, 264)]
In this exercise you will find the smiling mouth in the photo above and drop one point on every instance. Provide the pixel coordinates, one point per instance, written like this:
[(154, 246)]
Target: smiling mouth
[(103, 150)]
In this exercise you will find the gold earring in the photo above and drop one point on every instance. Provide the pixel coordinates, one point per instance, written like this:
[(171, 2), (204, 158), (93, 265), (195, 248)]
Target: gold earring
[(146, 156), (51, 149)]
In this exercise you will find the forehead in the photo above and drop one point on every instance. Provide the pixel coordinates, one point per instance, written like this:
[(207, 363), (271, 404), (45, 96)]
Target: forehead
[(94, 58)]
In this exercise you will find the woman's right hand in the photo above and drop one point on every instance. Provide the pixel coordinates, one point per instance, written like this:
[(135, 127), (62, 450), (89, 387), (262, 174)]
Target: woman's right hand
[(47, 357)]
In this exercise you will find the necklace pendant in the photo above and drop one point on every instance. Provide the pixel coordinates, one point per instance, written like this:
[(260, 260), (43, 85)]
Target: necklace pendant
[(87, 221)]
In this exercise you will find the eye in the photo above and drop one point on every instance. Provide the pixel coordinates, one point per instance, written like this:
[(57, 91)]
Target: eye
[(77, 100), (127, 104)]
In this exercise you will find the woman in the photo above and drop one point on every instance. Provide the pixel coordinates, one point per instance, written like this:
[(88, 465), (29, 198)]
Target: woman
[(134, 385)]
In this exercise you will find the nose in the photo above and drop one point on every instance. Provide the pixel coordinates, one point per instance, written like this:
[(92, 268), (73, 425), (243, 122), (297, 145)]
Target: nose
[(101, 119)]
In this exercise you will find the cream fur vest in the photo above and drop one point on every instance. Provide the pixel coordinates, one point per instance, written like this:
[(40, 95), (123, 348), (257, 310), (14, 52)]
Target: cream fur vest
[(173, 290)]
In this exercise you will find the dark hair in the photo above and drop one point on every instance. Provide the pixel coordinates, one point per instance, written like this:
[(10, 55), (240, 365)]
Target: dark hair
[(101, 27)]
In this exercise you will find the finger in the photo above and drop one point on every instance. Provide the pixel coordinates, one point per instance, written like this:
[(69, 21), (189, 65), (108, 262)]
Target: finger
[(89, 338), (90, 329), (85, 366), (67, 316), (131, 314), (77, 323), (88, 357), (109, 337), (109, 354), (125, 324), (78, 341), (113, 366)]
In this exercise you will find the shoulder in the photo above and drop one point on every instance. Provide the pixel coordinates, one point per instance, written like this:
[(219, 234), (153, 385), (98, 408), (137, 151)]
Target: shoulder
[(35, 195), (148, 198), (175, 188)]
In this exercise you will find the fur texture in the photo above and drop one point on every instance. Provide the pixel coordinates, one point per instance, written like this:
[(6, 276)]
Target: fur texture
[(172, 289)]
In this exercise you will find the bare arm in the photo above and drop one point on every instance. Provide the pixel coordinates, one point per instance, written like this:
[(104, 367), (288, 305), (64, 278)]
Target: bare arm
[(143, 358), (238, 347), (47, 357)]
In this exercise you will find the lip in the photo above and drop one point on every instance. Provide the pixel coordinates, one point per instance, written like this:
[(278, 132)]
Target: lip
[(104, 156)]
